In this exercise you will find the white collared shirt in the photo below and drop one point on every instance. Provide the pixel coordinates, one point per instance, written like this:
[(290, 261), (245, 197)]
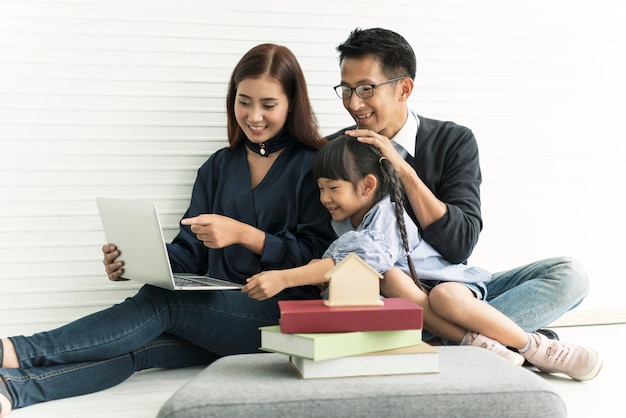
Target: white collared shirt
[(405, 137)]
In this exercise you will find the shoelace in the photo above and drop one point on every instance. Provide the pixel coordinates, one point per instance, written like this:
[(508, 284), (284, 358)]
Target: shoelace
[(559, 352)]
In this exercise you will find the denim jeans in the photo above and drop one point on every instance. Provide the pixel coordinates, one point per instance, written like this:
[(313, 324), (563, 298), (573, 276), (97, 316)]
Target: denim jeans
[(536, 294), (154, 328)]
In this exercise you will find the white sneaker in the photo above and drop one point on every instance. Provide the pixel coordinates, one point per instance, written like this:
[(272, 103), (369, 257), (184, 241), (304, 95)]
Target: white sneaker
[(553, 356), (478, 340)]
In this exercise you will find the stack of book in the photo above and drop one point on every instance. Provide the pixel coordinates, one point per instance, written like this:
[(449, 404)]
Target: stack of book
[(342, 341)]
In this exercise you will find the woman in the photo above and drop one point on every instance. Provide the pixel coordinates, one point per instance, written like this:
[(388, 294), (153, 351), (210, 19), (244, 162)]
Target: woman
[(254, 206)]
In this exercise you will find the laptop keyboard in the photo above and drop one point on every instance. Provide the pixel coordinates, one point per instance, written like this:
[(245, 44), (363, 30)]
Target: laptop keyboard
[(183, 280)]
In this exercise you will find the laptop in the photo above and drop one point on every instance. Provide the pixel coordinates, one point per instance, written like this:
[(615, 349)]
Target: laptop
[(133, 226)]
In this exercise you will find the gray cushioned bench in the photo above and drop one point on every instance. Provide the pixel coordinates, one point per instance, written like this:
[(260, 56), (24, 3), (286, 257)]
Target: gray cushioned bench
[(472, 382)]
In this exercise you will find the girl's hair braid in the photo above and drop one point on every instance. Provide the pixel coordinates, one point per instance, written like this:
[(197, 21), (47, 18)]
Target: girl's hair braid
[(391, 178)]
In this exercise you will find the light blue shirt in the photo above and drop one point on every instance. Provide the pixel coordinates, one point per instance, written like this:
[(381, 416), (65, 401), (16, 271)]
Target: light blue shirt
[(378, 242)]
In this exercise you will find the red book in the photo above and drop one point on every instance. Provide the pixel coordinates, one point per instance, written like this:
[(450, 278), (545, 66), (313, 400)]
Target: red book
[(312, 316)]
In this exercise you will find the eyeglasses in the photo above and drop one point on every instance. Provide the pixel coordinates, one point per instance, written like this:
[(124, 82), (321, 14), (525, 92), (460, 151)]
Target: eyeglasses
[(364, 91)]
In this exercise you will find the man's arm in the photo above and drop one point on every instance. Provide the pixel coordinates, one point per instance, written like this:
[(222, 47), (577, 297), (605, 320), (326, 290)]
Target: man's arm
[(447, 161)]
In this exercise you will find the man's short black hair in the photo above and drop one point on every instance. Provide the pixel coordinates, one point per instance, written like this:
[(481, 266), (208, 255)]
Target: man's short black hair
[(390, 49)]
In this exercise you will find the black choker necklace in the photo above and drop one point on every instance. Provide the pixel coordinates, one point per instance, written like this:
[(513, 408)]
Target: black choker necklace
[(276, 143)]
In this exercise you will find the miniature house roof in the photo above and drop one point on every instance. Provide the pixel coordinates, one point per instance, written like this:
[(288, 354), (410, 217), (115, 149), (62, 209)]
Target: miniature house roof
[(353, 282), (348, 260)]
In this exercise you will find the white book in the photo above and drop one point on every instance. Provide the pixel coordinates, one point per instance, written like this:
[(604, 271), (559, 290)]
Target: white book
[(421, 358)]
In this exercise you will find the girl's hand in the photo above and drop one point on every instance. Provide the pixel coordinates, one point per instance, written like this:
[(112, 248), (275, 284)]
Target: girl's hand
[(215, 231), (265, 284)]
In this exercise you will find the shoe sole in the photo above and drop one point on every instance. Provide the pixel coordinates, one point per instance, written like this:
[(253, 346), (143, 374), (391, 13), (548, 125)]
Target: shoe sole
[(518, 361)]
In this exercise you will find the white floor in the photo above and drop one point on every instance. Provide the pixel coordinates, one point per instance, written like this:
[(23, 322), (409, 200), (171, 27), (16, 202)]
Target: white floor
[(144, 393), (605, 395)]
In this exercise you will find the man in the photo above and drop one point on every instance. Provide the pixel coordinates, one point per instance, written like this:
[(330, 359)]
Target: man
[(439, 167)]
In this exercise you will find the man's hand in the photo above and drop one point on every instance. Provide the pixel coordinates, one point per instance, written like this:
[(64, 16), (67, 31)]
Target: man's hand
[(381, 142), (114, 269), (426, 206)]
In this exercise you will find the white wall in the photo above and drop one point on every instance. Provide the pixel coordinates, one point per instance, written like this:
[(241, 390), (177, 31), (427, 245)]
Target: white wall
[(126, 98)]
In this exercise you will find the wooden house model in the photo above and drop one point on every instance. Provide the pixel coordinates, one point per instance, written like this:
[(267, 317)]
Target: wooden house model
[(353, 282)]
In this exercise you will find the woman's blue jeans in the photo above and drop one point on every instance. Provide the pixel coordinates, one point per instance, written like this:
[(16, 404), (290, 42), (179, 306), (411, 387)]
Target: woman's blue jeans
[(154, 328)]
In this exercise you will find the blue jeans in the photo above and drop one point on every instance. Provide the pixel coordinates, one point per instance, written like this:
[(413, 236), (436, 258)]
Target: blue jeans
[(154, 328), (537, 294)]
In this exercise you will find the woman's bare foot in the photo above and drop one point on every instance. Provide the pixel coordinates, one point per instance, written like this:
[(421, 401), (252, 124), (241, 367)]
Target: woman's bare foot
[(5, 403)]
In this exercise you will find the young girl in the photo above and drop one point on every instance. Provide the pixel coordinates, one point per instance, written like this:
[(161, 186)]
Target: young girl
[(254, 206), (360, 189)]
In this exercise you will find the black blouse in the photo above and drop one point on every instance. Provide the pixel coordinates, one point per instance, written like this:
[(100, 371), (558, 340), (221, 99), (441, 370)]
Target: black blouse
[(285, 205)]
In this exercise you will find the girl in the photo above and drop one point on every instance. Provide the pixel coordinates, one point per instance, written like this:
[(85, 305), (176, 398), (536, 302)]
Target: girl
[(254, 206), (361, 190)]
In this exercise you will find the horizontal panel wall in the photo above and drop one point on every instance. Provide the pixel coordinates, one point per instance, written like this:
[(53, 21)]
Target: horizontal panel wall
[(126, 98)]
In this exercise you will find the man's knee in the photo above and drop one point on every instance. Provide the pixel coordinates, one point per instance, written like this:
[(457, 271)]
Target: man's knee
[(574, 279)]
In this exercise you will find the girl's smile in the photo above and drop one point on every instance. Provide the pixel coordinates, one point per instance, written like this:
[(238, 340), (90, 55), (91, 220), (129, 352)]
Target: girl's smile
[(342, 200)]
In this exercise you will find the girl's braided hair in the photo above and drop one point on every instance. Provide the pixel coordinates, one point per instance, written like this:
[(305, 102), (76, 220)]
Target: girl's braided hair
[(345, 158)]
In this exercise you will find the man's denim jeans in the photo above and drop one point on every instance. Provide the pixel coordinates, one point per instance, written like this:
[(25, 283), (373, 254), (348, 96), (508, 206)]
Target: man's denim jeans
[(537, 294)]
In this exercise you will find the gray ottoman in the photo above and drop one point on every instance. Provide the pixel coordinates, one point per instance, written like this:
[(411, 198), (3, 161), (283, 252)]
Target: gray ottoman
[(472, 382)]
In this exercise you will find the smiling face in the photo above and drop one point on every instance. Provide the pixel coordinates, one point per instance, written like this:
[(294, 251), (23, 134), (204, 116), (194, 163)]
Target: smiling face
[(343, 200), (386, 111), (261, 108)]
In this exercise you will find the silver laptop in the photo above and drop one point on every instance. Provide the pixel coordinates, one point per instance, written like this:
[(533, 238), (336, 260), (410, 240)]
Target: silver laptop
[(133, 226)]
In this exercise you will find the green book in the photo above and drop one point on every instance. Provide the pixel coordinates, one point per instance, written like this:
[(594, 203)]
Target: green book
[(322, 346)]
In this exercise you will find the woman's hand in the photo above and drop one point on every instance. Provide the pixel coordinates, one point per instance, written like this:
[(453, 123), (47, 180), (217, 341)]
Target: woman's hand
[(265, 284), (114, 269), (215, 231)]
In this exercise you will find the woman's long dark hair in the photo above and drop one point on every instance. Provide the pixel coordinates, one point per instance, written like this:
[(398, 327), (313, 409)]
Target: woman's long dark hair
[(280, 63), (345, 158)]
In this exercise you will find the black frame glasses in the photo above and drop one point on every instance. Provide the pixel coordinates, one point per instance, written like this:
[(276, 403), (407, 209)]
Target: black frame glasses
[(364, 91)]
